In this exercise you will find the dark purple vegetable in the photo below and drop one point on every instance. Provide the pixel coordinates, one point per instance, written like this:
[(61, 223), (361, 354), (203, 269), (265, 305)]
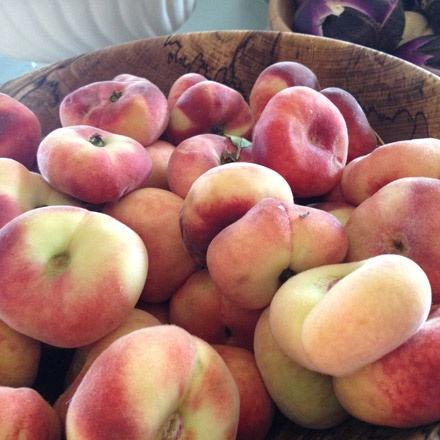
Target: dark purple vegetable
[(431, 10), (378, 24), (408, 4), (423, 51)]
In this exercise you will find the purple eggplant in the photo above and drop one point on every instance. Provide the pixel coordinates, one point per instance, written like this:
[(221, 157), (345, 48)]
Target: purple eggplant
[(378, 24), (423, 51)]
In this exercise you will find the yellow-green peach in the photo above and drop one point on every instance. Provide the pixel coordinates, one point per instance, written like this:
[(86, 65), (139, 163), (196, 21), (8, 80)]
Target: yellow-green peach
[(337, 318), (305, 397)]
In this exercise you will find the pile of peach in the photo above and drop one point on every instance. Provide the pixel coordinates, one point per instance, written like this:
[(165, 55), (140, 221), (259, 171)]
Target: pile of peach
[(210, 260)]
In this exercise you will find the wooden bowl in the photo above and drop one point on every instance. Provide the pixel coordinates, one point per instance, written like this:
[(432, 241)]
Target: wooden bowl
[(401, 101)]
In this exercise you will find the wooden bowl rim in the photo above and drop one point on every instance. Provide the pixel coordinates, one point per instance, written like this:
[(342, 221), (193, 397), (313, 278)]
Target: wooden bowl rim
[(236, 57)]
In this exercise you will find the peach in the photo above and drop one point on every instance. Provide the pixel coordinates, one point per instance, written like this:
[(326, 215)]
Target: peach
[(91, 164), (337, 318), (69, 275), (276, 77), (303, 136), (20, 131), (84, 356), (249, 259), (305, 397), (209, 107), (19, 358), (341, 210), (362, 138), (159, 310), (407, 158), (221, 196), (334, 195), (24, 414), (22, 190), (400, 218), (257, 408), (182, 83), (400, 389), (160, 153), (156, 382), (127, 105), (199, 153), (154, 213), (200, 308)]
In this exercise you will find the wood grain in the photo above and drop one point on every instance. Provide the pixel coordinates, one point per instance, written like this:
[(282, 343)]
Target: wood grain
[(401, 101)]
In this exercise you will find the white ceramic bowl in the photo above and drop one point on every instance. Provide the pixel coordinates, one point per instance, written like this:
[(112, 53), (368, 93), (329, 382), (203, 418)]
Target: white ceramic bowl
[(45, 31)]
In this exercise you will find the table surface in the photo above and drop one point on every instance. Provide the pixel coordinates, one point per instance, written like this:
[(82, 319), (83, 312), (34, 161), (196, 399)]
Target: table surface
[(208, 15)]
